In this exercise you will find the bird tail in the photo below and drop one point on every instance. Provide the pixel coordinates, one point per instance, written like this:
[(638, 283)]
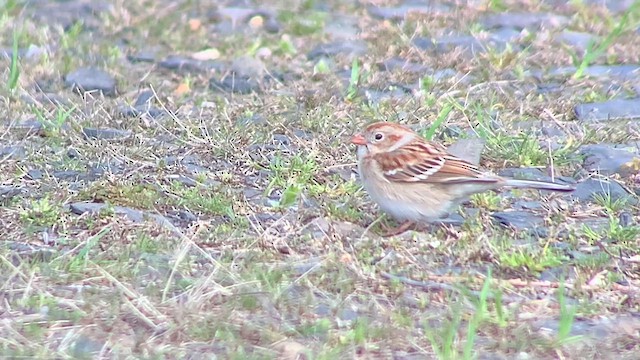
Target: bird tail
[(540, 185)]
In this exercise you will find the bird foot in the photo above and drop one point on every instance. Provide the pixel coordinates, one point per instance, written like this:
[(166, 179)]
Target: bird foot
[(393, 231)]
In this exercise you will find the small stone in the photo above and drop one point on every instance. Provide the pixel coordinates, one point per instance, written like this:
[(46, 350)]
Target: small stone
[(8, 192), (86, 347), (522, 221), (144, 98), (35, 174), (579, 40), (67, 175), (590, 189), (626, 219), (622, 72), (106, 134), (189, 65), (272, 25), (143, 56), (348, 48), (607, 159), (403, 65), (73, 154), (233, 84), (91, 79), (609, 110), (522, 20), (249, 67), (400, 12), (27, 128)]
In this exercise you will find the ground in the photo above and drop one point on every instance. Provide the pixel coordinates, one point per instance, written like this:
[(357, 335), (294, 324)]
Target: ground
[(176, 180)]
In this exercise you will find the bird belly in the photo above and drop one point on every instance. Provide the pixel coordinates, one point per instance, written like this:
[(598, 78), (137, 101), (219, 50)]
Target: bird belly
[(414, 202)]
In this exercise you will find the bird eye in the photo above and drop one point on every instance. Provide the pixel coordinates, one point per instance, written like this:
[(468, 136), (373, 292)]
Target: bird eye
[(378, 136)]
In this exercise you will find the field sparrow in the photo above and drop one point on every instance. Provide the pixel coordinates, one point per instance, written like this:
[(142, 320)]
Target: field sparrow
[(415, 180)]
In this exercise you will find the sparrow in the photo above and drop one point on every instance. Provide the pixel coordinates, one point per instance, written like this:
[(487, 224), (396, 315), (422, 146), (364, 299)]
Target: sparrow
[(418, 181)]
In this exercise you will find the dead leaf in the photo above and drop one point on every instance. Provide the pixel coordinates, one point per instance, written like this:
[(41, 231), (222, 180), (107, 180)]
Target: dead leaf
[(195, 24), (182, 89), (208, 54)]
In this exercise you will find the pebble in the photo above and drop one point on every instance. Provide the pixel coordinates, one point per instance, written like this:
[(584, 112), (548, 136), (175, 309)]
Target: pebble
[(91, 79), (522, 221), (614, 109), (106, 134), (189, 65), (523, 20), (348, 48), (8, 192), (608, 159), (14, 152), (400, 12), (587, 190)]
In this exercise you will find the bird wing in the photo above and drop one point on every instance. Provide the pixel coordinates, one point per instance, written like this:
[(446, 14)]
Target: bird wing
[(426, 162)]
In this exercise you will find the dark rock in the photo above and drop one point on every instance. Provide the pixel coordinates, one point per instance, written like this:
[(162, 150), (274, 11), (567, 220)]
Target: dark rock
[(68, 13), (185, 64), (547, 88), (134, 215), (35, 174), (393, 93), (144, 98), (142, 106), (106, 134), (14, 152), (85, 347), (281, 140), (73, 154), (505, 35), (8, 192), (608, 159), (142, 56), (68, 175), (248, 67), (30, 53), (469, 43), (130, 111), (614, 6), (26, 128), (91, 79), (455, 219), (623, 71), (424, 43), (401, 11), (588, 189), (272, 25), (527, 205), (450, 42), (609, 110), (405, 66), (30, 252), (522, 20), (345, 47), (342, 28), (578, 40), (522, 221), (233, 84), (625, 219)]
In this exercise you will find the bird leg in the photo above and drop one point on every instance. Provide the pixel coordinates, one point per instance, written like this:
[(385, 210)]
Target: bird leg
[(393, 231)]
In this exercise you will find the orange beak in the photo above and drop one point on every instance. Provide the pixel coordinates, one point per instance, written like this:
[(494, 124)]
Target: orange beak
[(358, 140)]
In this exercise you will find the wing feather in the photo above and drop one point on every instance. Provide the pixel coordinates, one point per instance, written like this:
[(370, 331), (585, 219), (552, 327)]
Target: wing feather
[(432, 165)]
